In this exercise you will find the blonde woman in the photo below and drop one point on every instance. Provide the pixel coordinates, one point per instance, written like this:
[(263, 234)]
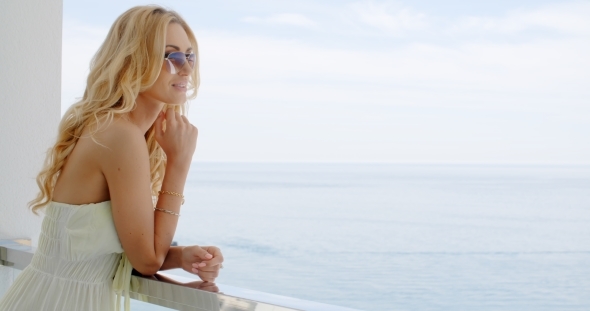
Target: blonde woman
[(125, 145)]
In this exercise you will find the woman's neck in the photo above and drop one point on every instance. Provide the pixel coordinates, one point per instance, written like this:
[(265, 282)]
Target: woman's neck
[(145, 113)]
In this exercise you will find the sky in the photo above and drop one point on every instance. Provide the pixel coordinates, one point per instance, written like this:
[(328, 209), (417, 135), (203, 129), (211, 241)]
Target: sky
[(500, 82)]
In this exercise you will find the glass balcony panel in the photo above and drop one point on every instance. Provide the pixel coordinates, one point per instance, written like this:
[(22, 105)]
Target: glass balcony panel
[(7, 276)]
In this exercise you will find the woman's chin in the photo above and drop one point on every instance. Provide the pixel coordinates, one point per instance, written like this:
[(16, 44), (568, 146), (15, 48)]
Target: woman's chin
[(177, 100)]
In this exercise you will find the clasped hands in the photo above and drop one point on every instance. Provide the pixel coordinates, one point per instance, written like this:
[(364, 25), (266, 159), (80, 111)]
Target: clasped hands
[(204, 261)]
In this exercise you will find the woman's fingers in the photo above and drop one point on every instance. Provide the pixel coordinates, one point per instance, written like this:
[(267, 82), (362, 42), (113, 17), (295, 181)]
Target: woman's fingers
[(203, 261), (215, 262), (208, 270), (200, 253), (208, 276), (208, 265), (177, 136), (195, 257), (216, 252), (160, 125), (171, 114)]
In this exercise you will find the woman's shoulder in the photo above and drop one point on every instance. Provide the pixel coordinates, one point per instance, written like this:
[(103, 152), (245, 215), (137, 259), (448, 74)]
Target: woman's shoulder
[(114, 141), (117, 133)]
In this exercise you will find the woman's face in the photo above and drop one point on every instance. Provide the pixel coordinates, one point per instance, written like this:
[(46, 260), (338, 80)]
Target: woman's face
[(171, 88)]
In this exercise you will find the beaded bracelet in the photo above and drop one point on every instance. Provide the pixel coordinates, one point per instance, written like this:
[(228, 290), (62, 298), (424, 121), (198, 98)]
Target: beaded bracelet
[(166, 211), (172, 193)]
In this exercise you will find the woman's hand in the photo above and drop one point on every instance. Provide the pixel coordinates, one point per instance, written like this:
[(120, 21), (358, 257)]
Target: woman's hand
[(179, 140), (203, 261)]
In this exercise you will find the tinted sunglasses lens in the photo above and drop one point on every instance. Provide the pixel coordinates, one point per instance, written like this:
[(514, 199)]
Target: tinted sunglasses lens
[(191, 59), (177, 58)]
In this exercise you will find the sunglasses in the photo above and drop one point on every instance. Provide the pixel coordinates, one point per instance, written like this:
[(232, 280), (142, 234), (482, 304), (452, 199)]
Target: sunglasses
[(175, 61)]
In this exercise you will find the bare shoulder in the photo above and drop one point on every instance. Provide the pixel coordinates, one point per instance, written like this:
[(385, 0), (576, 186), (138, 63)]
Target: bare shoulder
[(117, 138), (118, 133), (98, 156), (115, 145), (122, 156)]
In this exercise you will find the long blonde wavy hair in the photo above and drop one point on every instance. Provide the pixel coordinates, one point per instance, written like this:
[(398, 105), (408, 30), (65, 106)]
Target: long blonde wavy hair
[(128, 62)]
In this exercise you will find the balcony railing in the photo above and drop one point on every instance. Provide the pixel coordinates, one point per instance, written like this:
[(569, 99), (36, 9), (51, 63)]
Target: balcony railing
[(166, 290)]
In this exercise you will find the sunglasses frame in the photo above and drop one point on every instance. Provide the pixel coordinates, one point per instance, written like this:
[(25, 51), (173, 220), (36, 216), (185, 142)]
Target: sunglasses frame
[(172, 68)]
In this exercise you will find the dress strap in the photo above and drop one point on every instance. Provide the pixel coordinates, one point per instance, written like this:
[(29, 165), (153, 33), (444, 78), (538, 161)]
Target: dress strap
[(122, 282)]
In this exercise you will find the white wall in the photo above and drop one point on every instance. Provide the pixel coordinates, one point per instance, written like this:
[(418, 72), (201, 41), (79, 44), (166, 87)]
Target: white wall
[(30, 84)]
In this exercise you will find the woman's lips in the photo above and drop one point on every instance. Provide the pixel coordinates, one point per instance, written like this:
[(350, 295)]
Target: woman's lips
[(180, 86)]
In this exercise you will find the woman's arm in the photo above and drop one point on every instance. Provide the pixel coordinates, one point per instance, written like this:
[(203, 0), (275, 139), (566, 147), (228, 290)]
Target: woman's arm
[(144, 234), (203, 261), (173, 258)]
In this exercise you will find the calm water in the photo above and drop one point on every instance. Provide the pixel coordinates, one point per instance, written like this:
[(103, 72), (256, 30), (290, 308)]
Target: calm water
[(398, 237)]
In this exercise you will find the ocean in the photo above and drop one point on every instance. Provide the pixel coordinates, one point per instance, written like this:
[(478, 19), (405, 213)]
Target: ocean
[(398, 237)]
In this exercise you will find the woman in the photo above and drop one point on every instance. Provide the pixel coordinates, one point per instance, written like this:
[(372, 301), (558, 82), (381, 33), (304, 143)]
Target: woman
[(125, 145)]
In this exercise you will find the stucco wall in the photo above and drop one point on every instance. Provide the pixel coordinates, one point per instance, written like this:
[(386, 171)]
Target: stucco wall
[(30, 87)]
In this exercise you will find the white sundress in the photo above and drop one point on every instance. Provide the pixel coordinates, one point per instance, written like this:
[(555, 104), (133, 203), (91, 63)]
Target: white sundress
[(78, 265)]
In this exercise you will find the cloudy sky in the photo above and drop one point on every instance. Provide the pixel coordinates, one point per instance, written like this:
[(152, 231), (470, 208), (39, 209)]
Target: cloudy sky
[(375, 81)]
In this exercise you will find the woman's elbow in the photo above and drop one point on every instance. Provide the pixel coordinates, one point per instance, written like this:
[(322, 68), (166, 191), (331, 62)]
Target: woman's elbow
[(148, 268)]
